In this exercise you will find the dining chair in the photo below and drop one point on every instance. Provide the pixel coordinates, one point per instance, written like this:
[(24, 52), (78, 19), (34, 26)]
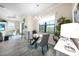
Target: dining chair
[(26, 35), (30, 37), (43, 42)]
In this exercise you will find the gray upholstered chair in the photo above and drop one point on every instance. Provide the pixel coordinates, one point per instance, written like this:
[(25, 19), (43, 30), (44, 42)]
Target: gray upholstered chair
[(43, 42), (30, 36), (1, 37)]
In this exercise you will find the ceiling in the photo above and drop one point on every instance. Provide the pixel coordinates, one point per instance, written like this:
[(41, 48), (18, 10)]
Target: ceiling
[(24, 9)]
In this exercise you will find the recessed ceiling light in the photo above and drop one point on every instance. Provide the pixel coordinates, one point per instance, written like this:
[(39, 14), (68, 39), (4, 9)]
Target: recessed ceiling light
[(37, 5)]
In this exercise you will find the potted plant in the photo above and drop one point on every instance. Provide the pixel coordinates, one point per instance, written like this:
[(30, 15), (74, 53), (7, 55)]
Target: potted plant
[(60, 21)]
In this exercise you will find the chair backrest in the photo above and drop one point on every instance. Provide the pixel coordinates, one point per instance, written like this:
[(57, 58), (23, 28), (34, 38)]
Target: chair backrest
[(30, 35), (44, 40), (34, 32), (26, 35)]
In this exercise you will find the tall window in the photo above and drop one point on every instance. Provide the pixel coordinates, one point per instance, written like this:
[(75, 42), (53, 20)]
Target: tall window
[(11, 26), (50, 27), (47, 24)]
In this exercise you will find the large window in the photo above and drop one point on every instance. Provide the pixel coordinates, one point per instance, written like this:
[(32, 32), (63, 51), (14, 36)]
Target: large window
[(11, 26), (41, 28), (47, 24)]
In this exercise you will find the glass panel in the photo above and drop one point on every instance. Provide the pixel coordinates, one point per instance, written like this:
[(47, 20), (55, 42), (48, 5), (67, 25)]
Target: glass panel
[(50, 22), (41, 28), (50, 28)]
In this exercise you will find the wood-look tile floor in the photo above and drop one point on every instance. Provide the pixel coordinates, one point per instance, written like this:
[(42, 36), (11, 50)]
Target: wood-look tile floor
[(21, 47)]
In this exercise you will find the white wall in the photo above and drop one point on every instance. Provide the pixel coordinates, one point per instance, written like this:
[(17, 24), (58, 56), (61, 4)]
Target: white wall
[(32, 23)]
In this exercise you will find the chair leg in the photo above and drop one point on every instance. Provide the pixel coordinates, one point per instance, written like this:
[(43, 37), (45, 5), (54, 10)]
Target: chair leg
[(35, 45), (42, 51), (47, 46), (30, 42)]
